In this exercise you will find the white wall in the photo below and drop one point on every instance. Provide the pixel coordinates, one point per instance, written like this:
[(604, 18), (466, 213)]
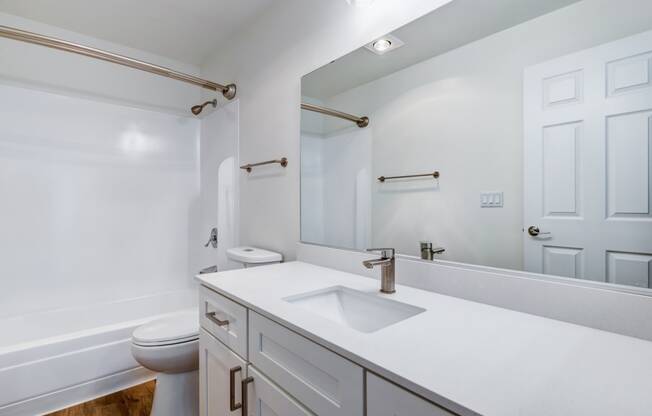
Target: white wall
[(267, 60), (461, 113), (99, 176)]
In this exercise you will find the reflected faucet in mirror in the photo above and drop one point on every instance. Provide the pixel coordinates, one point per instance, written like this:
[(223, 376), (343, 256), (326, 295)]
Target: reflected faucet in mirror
[(427, 252), (386, 263)]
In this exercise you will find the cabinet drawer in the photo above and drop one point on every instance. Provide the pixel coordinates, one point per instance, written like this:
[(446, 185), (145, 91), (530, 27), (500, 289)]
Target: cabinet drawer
[(266, 399), (387, 399), (324, 382), (224, 319)]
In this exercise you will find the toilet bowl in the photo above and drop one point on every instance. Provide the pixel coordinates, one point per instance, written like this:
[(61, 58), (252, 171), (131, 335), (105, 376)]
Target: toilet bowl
[(252, 256), (170, 346)]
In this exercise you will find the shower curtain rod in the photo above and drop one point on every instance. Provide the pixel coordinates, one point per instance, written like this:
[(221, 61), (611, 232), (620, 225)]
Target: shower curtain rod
[(360, 121), (228, 91)]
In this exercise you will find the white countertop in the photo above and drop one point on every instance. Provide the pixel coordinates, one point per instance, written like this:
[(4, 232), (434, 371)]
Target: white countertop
[(468, 357)]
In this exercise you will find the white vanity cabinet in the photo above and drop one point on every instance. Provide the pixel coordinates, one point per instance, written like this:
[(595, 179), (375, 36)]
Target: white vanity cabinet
[(284, 373), (387, 399)]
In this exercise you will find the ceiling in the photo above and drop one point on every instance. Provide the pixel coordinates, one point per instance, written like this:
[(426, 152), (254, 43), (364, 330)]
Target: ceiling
[(449, 27), (186, 30)]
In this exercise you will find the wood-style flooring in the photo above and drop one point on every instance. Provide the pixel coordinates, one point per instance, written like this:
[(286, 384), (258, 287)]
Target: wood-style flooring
[(135, 401)]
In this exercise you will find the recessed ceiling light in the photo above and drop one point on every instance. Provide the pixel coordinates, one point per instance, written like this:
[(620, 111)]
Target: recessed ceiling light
[(385, 44), (382, 44)]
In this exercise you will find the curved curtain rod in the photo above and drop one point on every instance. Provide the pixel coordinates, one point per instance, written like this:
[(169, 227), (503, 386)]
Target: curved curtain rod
[(228, 91), (360, 121)]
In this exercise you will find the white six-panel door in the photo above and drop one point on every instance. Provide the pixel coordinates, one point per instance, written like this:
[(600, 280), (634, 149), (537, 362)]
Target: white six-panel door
[(588, 164)]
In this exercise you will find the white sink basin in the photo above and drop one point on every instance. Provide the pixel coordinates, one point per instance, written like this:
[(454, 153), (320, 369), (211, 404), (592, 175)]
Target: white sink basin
[(361, 311)]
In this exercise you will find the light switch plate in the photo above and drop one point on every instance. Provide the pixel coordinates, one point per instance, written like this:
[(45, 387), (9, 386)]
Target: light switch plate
[(491, 199)]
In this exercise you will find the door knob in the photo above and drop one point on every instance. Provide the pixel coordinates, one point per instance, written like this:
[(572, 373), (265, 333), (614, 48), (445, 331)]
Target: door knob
[(534, 231)]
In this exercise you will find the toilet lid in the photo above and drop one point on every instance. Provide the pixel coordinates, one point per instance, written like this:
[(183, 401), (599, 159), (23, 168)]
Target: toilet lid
[(253, 255), (181, 327)]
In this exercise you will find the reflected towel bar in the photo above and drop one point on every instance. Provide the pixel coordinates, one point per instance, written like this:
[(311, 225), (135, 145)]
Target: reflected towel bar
[(360, 121), (228, 91), (282, 161), (434, 174)]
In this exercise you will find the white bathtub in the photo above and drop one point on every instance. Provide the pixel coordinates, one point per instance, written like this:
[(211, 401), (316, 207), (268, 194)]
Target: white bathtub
[(51, 360)]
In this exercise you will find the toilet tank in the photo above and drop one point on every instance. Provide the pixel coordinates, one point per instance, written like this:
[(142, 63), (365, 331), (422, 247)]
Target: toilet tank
[(253, 256)]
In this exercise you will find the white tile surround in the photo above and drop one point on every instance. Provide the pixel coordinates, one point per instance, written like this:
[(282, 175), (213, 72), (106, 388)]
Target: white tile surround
[(584, 303)]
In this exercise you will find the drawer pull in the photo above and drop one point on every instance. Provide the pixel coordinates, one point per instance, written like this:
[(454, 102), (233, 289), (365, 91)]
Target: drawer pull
[(232, 404), (211, 317), (245, 398)]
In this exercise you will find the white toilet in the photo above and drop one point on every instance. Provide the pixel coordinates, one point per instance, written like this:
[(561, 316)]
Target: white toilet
[(170, 346), (252, 256)]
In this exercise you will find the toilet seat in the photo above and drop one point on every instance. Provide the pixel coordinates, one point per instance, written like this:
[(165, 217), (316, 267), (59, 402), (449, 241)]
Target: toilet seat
[(180, 328)]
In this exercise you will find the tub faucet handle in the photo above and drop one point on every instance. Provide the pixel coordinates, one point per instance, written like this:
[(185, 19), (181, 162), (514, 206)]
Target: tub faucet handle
[(212, 239)]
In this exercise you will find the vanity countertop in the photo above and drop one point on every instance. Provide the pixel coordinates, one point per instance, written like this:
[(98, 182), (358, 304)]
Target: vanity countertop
[(471, 358)]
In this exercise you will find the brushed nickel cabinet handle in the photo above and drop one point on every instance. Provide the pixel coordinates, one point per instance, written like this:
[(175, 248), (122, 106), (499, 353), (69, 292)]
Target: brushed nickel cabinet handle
[(211, 317), (232, 404), (245, 396)]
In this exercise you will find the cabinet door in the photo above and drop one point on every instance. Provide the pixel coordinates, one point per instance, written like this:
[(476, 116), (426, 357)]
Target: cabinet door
[(215, 364), (386, 399), (264, 398), (324, 382)]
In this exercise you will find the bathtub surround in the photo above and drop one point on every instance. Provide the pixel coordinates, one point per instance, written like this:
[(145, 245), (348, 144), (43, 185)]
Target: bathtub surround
[(97, 196), (100, 177)]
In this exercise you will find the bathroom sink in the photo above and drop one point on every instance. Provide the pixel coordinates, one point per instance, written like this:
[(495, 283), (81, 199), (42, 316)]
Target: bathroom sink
[(364, 312)]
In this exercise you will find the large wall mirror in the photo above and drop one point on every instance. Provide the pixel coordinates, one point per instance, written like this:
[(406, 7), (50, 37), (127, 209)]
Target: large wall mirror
[(506, 133)]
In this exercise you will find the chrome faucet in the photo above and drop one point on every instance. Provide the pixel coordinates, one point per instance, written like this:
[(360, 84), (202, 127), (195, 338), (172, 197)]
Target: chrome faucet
[(427, 251), (386, 263)]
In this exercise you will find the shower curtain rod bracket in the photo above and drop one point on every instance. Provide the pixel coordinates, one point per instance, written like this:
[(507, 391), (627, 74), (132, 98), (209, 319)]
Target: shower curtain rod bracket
[(229, 91)]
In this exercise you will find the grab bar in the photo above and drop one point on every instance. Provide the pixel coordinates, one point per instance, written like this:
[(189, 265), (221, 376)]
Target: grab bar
[(282, 161), (434, 174)]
